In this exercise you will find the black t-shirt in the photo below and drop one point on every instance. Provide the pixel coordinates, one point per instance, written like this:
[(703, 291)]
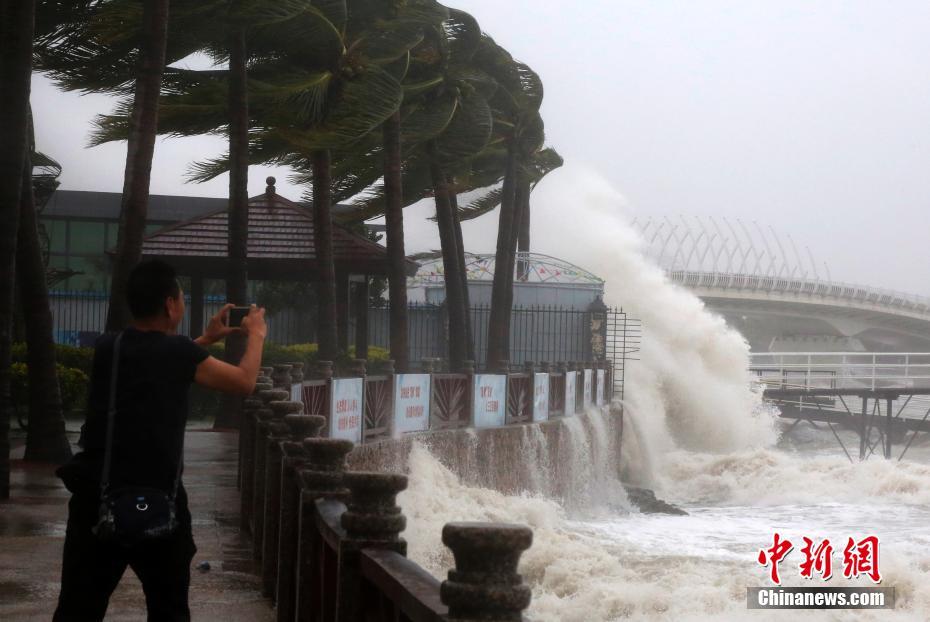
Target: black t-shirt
[(153, 381)]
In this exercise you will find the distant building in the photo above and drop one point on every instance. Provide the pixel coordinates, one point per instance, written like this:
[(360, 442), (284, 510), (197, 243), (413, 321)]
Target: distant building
[(81, 226), (540, 280)]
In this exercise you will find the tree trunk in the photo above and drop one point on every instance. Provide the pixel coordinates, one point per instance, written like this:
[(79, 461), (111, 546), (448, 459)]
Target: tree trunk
[(237, 276), (499, 321), (523, 241), (238, 214), (139, 153), (323, 240), (521, 197), (455, 301), (17, 24), (463, 270), (394, 230), (46, 440)]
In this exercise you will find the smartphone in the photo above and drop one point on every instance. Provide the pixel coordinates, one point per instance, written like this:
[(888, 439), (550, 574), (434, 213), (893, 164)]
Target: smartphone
[(236, 315)]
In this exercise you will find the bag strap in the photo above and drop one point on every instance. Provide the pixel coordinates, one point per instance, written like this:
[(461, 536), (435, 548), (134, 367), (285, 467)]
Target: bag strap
[(111, 418)]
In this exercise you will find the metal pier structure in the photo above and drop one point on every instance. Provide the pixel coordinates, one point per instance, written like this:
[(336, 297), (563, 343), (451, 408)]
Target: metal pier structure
[(883, 397)]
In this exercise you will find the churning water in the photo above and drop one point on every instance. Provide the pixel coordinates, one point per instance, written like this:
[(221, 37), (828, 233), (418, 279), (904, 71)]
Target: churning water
[(701, 438)]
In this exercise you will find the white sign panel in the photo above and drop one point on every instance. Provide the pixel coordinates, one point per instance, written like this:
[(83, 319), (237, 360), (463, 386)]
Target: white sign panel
[(296, 392), (588, 388), (411, 402), (600, 400), (570, 393), (540, 397), (490, 400), (346, 409)]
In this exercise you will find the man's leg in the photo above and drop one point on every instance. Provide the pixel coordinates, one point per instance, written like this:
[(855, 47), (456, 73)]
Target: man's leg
[(164, 568), (90, 569)]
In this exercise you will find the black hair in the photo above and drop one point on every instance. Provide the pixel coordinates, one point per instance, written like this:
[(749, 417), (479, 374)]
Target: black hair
[(150, 283)]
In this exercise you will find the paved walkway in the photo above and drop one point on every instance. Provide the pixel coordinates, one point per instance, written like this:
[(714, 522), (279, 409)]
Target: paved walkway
[(32, 529)]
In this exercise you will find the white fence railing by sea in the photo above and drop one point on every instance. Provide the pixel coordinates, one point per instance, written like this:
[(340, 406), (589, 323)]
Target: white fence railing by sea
[(842, 370)]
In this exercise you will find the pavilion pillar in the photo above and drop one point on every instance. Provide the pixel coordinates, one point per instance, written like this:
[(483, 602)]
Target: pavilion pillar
[(197, 315), (342, 311), (361, 318)]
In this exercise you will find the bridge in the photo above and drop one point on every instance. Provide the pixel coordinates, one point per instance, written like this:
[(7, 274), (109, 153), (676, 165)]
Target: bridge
[(892, 390), (778, 297)]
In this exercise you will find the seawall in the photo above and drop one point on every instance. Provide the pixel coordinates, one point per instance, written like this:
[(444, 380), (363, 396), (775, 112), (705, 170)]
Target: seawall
[(561, 458)]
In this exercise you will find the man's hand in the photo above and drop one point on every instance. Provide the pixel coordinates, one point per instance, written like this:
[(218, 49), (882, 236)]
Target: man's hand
[(254, 323), (216, 329)]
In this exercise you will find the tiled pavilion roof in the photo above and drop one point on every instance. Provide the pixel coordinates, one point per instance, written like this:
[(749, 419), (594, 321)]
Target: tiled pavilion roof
[(281, 243)]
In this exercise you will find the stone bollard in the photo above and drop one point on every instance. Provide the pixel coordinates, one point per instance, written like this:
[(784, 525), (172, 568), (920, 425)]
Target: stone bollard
[(279, 432), (357, 368), (324, 370), (372, 520), (247, 453), (529, 367), (468, 367), (501, 366), (321, 476), (294, 458), (263, 420), (387, 367), (282, 377), (484, 584)]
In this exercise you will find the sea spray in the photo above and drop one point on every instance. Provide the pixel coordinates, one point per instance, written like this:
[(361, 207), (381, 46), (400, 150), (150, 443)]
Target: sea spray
[(690, 388)]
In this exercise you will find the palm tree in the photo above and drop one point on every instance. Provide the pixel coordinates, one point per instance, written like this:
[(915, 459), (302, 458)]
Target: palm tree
[(139, 153), (17, 24), (45, 437)]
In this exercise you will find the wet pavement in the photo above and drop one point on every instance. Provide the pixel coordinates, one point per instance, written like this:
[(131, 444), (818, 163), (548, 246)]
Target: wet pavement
[(32, 531)]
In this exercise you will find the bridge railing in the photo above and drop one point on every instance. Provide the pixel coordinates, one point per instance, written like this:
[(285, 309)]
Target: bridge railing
[(842, 370), (807, 287)]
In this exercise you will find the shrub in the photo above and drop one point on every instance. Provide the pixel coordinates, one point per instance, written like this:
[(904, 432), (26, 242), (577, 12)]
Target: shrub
[(73, 384), (66, 356)]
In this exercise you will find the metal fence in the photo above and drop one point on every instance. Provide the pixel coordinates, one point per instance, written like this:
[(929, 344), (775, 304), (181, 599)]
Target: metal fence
[(538, 333)]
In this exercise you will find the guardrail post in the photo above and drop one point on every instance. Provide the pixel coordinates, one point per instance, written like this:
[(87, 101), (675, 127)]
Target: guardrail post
[(278, 432), (372, 520), (321, 476), (485, 584), (263, 420), (262, 383), (294, 457), (254, 404)]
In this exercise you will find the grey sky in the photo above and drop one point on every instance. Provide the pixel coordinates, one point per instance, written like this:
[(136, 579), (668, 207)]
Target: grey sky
[(813, 117)]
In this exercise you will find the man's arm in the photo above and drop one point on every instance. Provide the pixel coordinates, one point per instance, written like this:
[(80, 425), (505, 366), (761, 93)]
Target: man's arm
[(238, 379)]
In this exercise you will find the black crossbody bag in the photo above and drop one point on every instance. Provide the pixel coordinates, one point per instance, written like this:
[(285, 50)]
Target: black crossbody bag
[(132, 514)]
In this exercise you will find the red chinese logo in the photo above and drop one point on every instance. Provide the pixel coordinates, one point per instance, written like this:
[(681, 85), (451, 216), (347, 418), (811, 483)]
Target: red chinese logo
[(859, 558)]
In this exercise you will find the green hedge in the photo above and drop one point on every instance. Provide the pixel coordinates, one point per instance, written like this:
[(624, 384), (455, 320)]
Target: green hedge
[(66, 356), (72, 382)]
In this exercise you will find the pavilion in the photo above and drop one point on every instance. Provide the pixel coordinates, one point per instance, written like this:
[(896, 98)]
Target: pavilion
[(281, 247)]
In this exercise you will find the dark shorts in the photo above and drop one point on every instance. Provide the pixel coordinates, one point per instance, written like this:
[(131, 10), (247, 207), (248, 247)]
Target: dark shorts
[(91, 569)]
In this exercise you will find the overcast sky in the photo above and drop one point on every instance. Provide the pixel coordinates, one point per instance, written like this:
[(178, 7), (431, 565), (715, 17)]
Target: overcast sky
[(812, 117)]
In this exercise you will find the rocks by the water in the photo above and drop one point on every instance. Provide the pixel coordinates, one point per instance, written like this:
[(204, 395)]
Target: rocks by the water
[(646, 501)]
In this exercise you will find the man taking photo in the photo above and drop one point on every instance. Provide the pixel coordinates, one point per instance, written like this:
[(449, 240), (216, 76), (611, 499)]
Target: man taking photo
[(142, 422)]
